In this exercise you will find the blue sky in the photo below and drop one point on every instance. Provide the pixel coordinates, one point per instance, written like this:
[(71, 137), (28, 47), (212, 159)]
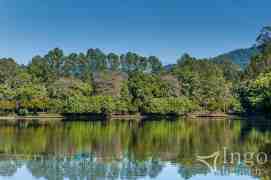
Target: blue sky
[(165, 28)]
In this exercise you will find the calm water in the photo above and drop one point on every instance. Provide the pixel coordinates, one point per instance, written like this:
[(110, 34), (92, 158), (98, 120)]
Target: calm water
[(158, 150)]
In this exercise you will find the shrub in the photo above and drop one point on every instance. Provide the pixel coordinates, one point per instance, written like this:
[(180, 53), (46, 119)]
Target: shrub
[(171, 105)]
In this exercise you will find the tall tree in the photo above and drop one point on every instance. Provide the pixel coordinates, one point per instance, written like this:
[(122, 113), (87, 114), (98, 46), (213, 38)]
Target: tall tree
[(113, 62), (259, 64), (40, 70), (156, 65), (8, 69), (264, 36), (55, 59), (97, 59)]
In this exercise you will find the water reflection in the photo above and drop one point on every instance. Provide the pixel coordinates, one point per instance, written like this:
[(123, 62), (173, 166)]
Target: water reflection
[(130, 150)]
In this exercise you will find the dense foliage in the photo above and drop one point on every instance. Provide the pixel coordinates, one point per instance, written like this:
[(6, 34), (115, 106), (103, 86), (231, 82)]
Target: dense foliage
[(257, 93), (95, 82), (108, 83), (240, 57), (255, 90)]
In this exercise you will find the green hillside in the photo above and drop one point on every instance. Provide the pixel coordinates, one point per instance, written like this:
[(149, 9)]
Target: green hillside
[(241, 57)]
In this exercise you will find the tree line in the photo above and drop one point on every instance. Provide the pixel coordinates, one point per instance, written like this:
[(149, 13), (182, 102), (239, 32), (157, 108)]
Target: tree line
[(96, 82)]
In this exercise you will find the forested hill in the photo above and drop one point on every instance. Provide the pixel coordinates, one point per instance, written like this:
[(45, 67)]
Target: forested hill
[(241, 57), (97, 82)]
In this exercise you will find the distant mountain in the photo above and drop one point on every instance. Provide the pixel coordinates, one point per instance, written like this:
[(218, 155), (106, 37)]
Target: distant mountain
[(240, 56), (243, 56)]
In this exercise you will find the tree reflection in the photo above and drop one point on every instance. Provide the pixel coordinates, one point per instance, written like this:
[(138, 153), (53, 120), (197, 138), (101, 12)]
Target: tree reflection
[(9, 167), (89, 168), (125, 150)]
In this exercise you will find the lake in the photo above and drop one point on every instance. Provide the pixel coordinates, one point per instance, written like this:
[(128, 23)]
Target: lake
[(195, 149)]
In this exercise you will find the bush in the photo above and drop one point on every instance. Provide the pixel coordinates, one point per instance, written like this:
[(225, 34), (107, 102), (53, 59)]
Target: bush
[(171, 105), (7, 105), (93, 104), (35, 104), (56, 105)]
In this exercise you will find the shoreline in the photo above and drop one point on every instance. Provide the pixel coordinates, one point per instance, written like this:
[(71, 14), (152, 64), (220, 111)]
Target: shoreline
[(93, 116)]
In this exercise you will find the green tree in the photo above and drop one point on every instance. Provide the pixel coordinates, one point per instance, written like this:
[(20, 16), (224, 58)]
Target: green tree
[(155, 63), (171, 105), (232, 72), (96, 59), (259, 64), (256, 94), (113, 62), (32, 97), (55, 59), (204, 82), (265, 36), (66, 87), (8, 70), (143, 87), (22, 78), (6, 93), (40, 70)]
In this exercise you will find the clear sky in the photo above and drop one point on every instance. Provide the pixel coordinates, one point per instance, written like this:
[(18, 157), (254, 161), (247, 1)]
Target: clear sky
[(165, 28)]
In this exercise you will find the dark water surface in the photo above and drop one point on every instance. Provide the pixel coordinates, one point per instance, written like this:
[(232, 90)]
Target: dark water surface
[(164, 150)]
